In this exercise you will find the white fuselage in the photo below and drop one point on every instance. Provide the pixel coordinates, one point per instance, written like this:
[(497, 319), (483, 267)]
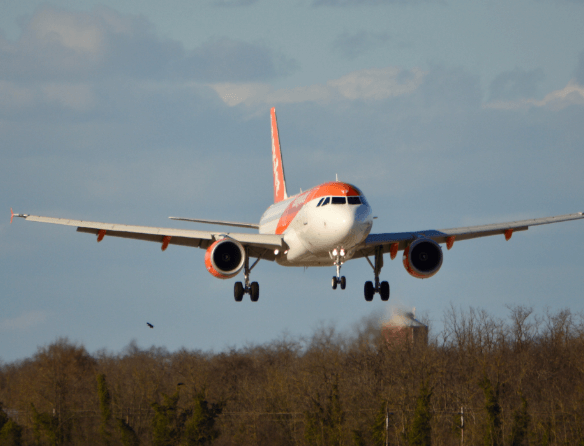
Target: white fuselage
[(312, 232)]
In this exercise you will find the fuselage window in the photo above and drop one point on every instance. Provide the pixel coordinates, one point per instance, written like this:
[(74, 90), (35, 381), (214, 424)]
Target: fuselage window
[(326, 201), (338, 200), (320, 202), (353, 200)]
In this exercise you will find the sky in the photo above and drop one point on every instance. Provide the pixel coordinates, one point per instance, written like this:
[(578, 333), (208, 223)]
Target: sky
[(445, 113)]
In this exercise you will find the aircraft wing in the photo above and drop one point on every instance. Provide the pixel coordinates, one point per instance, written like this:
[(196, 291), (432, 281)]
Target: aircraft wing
[(449, 236), (218, 222), (260, 245)]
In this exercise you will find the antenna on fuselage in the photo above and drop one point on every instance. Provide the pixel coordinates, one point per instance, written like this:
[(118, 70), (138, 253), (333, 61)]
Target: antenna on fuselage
[(337, 176)]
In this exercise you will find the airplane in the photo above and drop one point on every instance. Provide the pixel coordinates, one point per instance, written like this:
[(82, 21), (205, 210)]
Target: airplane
[(326, 225)]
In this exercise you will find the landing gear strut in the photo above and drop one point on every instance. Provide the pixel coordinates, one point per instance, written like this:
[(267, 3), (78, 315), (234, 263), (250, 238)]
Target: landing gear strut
[(380, 287), (253, 288), (338, 279)]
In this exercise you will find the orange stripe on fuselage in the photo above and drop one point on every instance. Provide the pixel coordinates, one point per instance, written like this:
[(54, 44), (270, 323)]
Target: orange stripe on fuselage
[(333, 188)]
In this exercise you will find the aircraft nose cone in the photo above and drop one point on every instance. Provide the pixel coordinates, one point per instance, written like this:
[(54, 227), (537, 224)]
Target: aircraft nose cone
[(347, 224), (344, 219)]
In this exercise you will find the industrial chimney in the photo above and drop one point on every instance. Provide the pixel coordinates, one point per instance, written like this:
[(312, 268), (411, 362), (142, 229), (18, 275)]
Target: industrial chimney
[(403, 328)]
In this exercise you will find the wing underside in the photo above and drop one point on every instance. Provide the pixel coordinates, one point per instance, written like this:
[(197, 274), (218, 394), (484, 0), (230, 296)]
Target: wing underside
[(259, 245), (449, 236)]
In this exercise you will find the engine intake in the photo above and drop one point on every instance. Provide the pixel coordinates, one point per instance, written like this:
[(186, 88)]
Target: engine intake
[(423, 258), (225, 258)]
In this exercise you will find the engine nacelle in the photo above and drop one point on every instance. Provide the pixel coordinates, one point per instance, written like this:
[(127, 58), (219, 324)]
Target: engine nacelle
[(225, 258), (423, 258)]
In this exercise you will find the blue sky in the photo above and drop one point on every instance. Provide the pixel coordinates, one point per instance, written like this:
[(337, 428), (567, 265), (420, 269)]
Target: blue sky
[(445, 113)]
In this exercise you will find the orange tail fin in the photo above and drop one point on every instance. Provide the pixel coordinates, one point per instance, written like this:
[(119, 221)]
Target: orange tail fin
[(279, 179)]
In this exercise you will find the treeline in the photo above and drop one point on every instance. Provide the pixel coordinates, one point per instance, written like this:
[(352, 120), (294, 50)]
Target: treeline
[(518, 381)]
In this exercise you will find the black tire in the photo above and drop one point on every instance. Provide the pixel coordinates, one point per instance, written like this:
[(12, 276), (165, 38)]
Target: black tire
[(343, 282), (369, 291), (335, 281), (254, 291), (384, 291), (238, 291)]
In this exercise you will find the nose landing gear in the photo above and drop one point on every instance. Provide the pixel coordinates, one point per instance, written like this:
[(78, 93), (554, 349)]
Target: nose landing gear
[(251, 288), (339, 281), (380, 287), (338, 254)]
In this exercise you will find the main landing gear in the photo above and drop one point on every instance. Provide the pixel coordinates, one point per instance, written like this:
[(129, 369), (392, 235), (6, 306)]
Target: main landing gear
[(253, 288), (380, 287), (338, 280)]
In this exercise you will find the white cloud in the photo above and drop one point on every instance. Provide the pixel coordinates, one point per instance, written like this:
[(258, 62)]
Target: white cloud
[(571, 94), (234, 94), (227, 59), (378, 83), (69, 29), (371, 84), (58, 45), (24, 321)]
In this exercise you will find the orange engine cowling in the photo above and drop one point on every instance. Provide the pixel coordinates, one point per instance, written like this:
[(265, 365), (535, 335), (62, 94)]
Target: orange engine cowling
[(423, 258), (225, 258)]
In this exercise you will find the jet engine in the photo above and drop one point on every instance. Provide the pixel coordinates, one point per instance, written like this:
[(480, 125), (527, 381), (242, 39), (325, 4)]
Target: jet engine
[(225, 258), (423, 258)]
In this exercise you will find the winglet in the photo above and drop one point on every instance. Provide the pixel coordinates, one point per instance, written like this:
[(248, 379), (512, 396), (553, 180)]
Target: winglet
[(12, 215), (279, 179)]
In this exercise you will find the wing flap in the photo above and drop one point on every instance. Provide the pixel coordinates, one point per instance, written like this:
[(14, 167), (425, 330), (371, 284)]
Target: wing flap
[(174, 240)]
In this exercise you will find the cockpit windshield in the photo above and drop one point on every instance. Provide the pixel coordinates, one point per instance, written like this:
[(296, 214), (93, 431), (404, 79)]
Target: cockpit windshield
[(341, 200)]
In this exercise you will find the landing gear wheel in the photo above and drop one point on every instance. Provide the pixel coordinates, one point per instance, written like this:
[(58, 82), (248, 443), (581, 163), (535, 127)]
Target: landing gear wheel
[(369, 291), (343, 283), (254, 291), (384, 291), (238, 291), (334, 283)]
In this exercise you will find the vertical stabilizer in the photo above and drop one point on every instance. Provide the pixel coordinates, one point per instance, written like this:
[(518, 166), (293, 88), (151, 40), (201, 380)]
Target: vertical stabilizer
[(277, 165)]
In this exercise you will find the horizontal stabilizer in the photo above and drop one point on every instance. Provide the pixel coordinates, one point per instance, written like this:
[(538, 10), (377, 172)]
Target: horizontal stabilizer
[(218, 222)]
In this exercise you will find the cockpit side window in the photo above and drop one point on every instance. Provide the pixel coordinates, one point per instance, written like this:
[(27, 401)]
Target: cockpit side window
[(326, 201), (353, 200), (364, 201), (338, 200), (320, 201)]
